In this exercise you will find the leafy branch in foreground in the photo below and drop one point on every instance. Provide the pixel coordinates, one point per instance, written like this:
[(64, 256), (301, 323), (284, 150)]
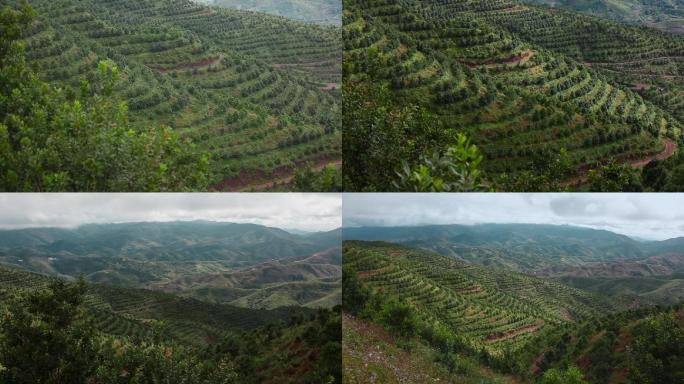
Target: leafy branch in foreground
[(54, 139), (454, 171)]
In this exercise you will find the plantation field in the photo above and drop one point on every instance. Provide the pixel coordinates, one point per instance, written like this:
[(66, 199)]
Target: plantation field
[(492, 310), (127, 312), (525, 83), (256, 93)]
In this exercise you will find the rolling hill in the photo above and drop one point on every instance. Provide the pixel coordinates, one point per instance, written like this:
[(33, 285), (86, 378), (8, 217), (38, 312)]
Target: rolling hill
[(140, 333), (489, 309), (546, 95), (416, 316), (309, 281), (666, 15), (244, 264), (528, 248), (255, 93), (126, 312), (310, 11)]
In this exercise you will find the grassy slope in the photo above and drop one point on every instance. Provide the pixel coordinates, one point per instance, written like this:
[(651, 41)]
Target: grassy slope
[(371, 355)]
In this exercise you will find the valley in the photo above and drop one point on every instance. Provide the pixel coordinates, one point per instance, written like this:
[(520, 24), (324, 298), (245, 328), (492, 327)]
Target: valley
[(241, 264), (508, 303), (198, 301), (311, 11)]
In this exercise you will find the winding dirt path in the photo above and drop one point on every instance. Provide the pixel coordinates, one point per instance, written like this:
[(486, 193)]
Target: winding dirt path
[(670, 148), (667, 152)]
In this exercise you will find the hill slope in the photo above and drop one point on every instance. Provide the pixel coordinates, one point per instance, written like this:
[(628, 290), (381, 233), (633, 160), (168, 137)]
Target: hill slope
[(517, 79), (492, 310), (534, 249), (126, 312), (240, 84), (139, 253)]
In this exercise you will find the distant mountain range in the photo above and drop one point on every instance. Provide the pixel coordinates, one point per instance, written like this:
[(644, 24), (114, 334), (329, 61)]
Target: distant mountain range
[(215, 257), (310, 11), (545, 250), (663, 14), (579, 257)]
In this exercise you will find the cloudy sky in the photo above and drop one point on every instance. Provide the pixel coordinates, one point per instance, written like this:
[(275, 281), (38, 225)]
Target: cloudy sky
[(648, 216), (308, 212)]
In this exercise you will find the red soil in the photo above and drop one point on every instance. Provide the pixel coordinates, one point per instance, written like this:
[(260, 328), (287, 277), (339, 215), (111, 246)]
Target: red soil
[(500, 336), (669, 150), (254, 180)]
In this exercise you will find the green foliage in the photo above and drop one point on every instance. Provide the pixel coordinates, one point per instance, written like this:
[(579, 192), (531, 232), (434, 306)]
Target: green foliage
[(354, 294), (556, 376), (399, 318), (657, 350), (381, 137), (56, 139), (328, 179), (455, 171), (614, 177), (547, 171), (542, 94), (52, 334), (44, 338)]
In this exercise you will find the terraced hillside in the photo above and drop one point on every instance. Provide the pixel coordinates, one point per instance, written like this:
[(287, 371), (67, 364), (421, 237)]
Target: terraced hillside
[(311, 281), (136, 336), (255, 92), (490, 310), (127, 312), (523, 82)]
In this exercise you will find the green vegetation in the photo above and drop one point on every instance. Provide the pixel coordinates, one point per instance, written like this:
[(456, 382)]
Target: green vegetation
[(546, 96), (310, 11), (256, 94), (240, 264), (536, 249), (52, 332), (437, 318), (54, 139)]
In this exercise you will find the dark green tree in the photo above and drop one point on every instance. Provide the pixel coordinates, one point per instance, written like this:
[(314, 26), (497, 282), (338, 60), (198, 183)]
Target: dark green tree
[(46, 338)]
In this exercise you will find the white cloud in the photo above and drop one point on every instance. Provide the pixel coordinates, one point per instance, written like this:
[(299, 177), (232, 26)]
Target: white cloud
[(303, 211), (652, 216)]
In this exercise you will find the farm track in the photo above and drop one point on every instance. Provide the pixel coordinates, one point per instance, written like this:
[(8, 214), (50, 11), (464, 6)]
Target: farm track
[(669, 151), (282, 176)]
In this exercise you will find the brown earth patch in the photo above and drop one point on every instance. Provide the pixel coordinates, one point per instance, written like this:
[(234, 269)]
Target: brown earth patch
[(501, 336), (255, 180)]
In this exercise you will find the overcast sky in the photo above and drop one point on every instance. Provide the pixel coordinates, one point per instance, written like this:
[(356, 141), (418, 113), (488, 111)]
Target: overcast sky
[(649, 216), (308, 212)]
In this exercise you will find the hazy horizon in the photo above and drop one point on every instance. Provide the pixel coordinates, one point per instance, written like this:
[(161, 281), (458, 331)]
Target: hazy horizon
[(640, 216), (308, 212)]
